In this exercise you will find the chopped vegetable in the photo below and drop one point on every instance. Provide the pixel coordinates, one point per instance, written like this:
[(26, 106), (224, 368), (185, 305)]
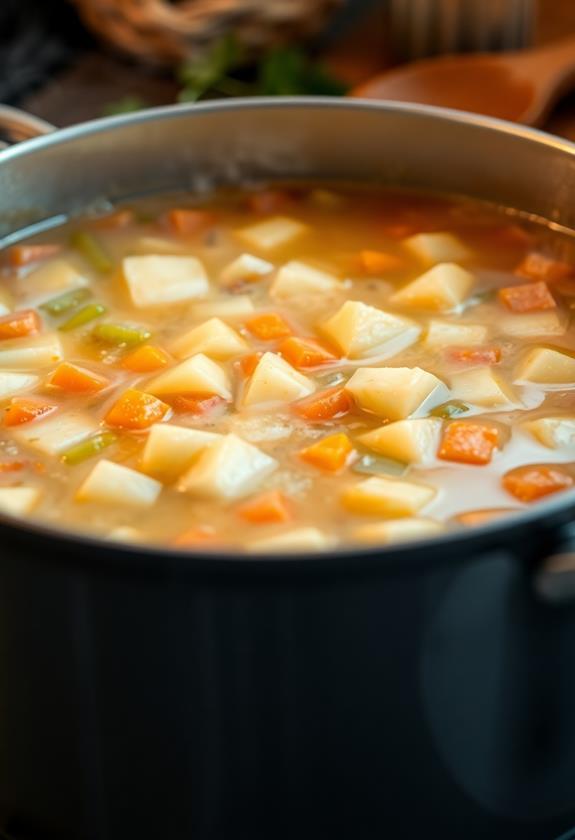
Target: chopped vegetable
[(530, 297), (19, 324), (120, 335), (196, 375), (468, 443), (273, 233), (326, 405), (214, 338), (381, 496), (91, 250), (202, 537), (378, 262), (187, 221), (136, 410), (200, 404), (533, 482), (160, 280), (540, 267), (69, 300), (88, 448), (77, 380), (268, 327), (376, 465), (267, 508), (450, 409), (475, 355), (31, 353), (360, 331), (274, 380), (398, 530), (305, 352), (146, 359), (412, 441), (396, 393), (296, 279), (115, 484), (25, 409), (441, 289), (269, 201), (247, 364), (19, 501), (83, 316), (331, 453), (171, 450), (20, 255), (481, 517)]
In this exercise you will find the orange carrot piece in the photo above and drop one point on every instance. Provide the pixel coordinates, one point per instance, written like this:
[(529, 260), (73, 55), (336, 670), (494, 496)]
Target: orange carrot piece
[(530, 297), (187, 221), (269, 201), (325, 405), (202, 537), (19, 324), (146, 359), (378, 262), (268, 326), (267, 508), (200, 404), (20, 255), (12, 466), (114, 221), (76, 380), (534, 481), (472, 518), (247, 364), (475, 355), (23, 410), (537, 266), (136, 410), (305, 352), (468, 443), (331, 453)]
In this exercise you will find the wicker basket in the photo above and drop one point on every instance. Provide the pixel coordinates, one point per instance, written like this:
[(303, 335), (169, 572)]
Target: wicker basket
[(166, 32)]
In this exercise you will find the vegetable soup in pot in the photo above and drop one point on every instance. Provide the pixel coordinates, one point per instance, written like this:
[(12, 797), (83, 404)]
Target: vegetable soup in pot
[(293, 368)]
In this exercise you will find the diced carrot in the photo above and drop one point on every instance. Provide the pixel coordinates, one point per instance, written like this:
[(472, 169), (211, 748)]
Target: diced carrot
[(268, 326), (534, 481), (187, 221), (325, 405), (20, 255), (378, 262), (23, 410), (468, 443), (530, 297), (136, 410), (202, 537), (76, 380), (247, 364), (475, 355), (113, 221), (269, 201), (146, 359), (331, 453), (537, 266), (472, 518), (196, 403), (19, 324), (12, 466), (305, 352), (266, 508)]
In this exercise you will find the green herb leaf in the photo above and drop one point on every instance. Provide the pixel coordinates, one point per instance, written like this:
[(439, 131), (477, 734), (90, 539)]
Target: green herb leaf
[(126, 105), (202, 73), (289, 71)]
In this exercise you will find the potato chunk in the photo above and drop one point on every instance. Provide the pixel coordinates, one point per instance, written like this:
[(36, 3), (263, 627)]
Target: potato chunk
[(451, 334), (170, 450), (273, 233), (157, 280), (296, 280), (13, 383), (31, 353), (275, 380), (196, 375), (228, 469), (410, 441), (553, 432), (213, 338), (432, 248), (441, 289), (360, 331), (52, 277), (398, 530), (116, 484), (396, 393), (57, 433), (234, 308), (545, 366), (387, 497), (18, 501), (246, 267), (532, 324), (298, 539), (481, 386)]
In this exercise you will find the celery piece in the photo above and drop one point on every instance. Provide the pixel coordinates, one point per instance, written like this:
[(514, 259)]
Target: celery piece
[(120, 335), (83, 316), (91, 250), (453, 408), (376, 465), (69, 300), (88, 448)]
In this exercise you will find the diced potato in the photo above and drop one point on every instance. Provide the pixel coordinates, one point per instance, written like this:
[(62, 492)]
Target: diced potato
[(234, 308), (115, 484), (360, 331), (51, 278), (273, 233), (451, 334), (57, 433), (432, 248), (297, 279), (213, 338), (156, 280), (124, 533), (33, 353), (5, 302), (441, 289), (410, 441), (196, 375), (532, 324), (13, 383), (299, 539), (553, 432), (170, 450), (397, 393), (246, 267), (275, 380), (398, 530), (387, 497), (228, 469), (481, 386), (18, 501), (545, 366)]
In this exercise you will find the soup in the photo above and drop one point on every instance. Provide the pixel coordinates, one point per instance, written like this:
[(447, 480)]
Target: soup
[(286, 369)]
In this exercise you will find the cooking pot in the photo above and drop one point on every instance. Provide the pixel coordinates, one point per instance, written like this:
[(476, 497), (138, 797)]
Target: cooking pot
[(418, 690)]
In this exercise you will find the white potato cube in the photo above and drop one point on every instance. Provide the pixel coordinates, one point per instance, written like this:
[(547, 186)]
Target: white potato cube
[(33, 353), (13, 383), (532, 324), (481, 386), (451, 334), (544, 366), (124, 533), (228, 469), (296, 280), (360, 331), (273, 233), (170, 450), (6, 303), (299, 539), (18, 501), (115, 484), (156, 280), (398, 530), (214, 338), (432, 248), (52, 278), (234, 308), (553, 432), (410, 441), (396, 393), (275, 380), (441, 289), (387, 497), (244, 268), (57, 432), (196, 375)]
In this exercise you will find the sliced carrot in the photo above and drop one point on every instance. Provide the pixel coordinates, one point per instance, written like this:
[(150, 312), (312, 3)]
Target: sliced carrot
[(378, 262), (247, 364), (468, 443), (20, 255), (114, 221), (200, 537), (19, 324), (305, 352), (331, 453), (269, 201), (268, 326), (266, 508), (146, 359), (187, 221), (534, 481), (537, 266), (472, 518), (196, 403), (136, 410), (76, 380), (12, 466), (530, 297), (475, 355), (325, 405), (23, 410)]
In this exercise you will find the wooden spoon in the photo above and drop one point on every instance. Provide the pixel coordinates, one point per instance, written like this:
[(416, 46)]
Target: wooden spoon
[(520, 86)]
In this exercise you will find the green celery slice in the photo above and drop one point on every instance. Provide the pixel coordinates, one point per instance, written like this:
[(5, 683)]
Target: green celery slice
[(67, 301), (376, 465), (91, 250), (88, 448), (120, 335), (453, 408), (83, 316)]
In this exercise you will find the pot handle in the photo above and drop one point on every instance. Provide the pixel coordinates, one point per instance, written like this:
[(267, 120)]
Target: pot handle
[(17, 125), (554, 578)]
